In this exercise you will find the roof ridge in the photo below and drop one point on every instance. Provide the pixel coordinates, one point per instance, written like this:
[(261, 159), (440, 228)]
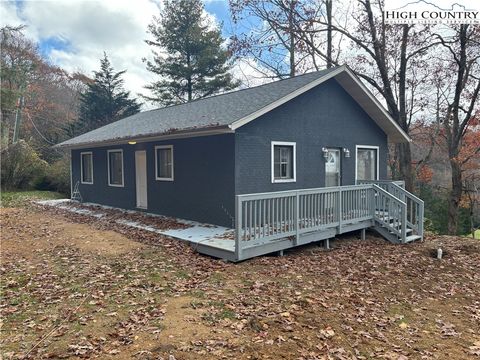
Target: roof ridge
[(239, 90)]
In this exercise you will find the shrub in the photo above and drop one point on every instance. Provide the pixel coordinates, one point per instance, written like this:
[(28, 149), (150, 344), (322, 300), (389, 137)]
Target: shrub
[(60, 175), (57, 178), (20, 166)]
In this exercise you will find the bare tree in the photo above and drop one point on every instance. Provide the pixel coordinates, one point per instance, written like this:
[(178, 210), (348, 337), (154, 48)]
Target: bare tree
[(272, 38), (389, 59), (48, 95), (462, 66)]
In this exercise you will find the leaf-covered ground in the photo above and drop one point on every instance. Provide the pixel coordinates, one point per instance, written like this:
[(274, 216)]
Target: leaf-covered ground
[(73, 286)]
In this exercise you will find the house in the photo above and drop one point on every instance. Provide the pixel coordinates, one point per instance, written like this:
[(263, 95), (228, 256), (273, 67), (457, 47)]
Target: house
[(196, 160)]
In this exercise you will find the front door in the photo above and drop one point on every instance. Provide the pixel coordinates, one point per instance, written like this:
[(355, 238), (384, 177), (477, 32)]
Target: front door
[(141, 178), (332, 168)]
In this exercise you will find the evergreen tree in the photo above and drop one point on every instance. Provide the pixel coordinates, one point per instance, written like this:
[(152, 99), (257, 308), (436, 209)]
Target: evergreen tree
[(189, 56), (105, 100)]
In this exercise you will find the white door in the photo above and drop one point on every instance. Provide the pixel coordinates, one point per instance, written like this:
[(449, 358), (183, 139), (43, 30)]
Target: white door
[(141, 178), (332, 168)]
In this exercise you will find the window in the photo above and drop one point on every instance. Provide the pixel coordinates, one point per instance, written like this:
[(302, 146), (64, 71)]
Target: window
[(164, 162), (86, 167), (283, 161), (367, 163), (115, 167)]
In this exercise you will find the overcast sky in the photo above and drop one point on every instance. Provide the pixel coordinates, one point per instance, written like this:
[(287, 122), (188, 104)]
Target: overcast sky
[(74, 33)]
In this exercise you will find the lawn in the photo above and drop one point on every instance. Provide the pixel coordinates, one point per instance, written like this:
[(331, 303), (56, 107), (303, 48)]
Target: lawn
[(76, 287), (476, 234), (21, 198)]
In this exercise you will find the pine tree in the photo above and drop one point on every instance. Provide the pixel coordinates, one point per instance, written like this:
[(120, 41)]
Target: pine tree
[(188, 55), (105, 99)]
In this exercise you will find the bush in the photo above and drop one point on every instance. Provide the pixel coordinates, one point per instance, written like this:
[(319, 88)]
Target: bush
[(57, 178), (21, 167)]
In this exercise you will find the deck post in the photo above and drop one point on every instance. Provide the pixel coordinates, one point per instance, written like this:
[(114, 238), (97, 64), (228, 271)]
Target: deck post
[(339, 210), (362, 234), (326, 244), (404, 223), (297, 218), (420, 219), (238, 228), (372, 202)]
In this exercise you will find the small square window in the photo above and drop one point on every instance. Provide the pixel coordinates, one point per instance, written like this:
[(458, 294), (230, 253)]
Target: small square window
[(283, 162), (164, 162)]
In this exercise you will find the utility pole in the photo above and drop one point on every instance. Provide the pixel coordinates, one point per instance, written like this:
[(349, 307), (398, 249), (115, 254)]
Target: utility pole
[(18, 119)]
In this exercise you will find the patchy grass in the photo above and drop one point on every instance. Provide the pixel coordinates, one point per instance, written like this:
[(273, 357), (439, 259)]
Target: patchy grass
[(476, 234), (106, 291), (21, 198)]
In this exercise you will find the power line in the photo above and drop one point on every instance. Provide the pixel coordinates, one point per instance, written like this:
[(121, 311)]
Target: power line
[(38, 131)]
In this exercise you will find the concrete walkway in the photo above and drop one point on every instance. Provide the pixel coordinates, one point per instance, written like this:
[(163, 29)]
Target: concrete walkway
[(195, 233)]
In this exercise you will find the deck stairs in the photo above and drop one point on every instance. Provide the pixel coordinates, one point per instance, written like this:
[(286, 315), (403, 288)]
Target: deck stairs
[(394, 238), (396, 226)]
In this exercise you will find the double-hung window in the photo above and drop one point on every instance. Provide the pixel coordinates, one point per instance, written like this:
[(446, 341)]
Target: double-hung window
[(115, 167), (86, 167), (366, 162), (283, 161), (164, 162)]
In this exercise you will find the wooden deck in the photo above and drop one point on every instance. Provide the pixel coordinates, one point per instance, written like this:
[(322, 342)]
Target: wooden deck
[(275, 221)]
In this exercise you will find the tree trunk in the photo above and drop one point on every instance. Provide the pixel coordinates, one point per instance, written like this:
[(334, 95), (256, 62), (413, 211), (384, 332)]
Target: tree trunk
[(189, 79), (454, 197), (189, 89), (292, 38), (328, 5), (405, 165)]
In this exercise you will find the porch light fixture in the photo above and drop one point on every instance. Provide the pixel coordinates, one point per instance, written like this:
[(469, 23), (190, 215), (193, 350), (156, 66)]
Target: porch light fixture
[(346, 152), (132, 142), (325, 153)]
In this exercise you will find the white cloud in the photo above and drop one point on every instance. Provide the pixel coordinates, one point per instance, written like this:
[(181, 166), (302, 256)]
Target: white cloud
[(9, 15), (88, 28)]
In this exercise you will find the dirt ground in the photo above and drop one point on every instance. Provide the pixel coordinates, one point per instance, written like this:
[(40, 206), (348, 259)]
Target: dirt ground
[(77, 287)]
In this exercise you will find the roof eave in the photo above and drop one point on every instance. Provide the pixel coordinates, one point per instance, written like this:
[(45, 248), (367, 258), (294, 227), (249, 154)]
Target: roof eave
[(224, 129)]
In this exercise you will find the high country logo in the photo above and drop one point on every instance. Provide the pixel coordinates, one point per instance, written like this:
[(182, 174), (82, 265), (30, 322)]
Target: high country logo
[(424, 12)]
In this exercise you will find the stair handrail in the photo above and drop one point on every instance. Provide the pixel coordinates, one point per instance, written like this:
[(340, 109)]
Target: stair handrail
[(419, 202), (403, 213)]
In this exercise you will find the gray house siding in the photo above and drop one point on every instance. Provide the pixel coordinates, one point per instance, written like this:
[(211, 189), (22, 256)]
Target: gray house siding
[(203, 185), (210, 170), (326, 116)]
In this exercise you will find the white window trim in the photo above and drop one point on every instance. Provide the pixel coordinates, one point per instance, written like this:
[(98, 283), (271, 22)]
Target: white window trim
[(378, 158), (81, 167), (156, 163), (123, 168), (284, 143)]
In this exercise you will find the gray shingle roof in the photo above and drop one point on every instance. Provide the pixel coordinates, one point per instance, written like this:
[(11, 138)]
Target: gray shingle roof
[(211, 112)]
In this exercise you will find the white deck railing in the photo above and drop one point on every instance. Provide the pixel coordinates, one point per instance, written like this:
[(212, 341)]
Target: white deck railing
[(266, 217), (415, 205)]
